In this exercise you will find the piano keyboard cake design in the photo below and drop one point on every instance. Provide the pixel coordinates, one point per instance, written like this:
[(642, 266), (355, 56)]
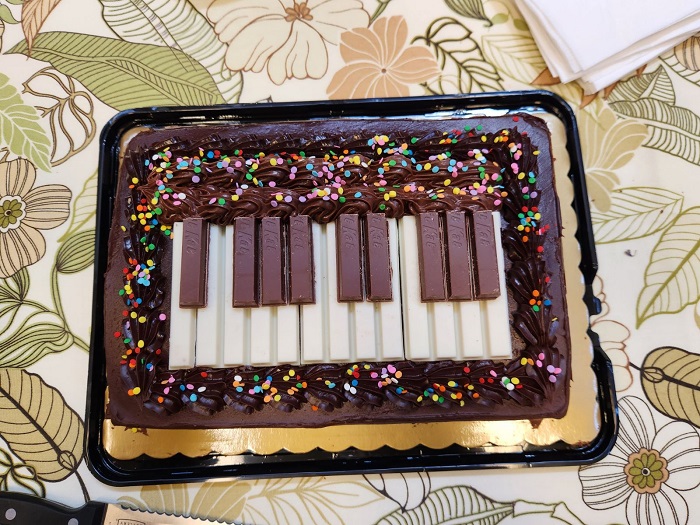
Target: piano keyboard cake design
[(307, 274)]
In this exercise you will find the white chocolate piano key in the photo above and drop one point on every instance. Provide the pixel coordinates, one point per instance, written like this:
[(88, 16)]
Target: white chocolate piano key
[(444, 336), (263, 336), (236, 320), (471, 332), (339, 335), (416, 328), (365, 336), (314, 316), (391, 326), (210, 319), (287, 331), (183, 321), (498, 332)]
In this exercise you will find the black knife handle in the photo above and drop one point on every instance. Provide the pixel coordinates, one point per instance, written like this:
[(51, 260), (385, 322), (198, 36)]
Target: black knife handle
[(23, 509)]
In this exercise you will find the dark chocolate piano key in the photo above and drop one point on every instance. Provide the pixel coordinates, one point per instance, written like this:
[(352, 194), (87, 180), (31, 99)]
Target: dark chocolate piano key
[(245, 278), (459, 266), (430, 257), (349, 257), (272, 282), (378, 267), (487, 279), (301, 267), (195, 247)]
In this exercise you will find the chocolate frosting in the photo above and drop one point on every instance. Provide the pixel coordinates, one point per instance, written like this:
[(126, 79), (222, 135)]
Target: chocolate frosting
[(401, 167)]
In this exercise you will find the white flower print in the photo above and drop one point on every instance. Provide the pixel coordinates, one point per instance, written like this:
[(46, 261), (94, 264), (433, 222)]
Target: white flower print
[(24, 211), (286, 35), (645, 469)]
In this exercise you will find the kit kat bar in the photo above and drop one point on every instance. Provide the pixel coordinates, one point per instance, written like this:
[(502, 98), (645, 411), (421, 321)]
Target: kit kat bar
[(349, 258), (487, 279), (273, 283), (301, 269), (195, 247), (378, 267), (430, 258), (245, 276), (459, 274)]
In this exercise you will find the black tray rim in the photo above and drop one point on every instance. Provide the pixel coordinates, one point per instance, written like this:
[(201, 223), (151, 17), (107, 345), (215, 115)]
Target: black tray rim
[(179, 468)]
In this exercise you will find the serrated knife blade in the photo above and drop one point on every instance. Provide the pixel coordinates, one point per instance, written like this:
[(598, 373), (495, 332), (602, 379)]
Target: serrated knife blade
[(23, 509)]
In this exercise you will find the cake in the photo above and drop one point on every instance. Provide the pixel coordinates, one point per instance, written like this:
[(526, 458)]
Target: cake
[(277, 187)]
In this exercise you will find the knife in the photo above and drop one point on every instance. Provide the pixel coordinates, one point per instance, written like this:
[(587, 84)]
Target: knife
[(23, 509)]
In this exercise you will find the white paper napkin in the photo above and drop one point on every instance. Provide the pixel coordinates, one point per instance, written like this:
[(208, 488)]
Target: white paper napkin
[(600, 41)]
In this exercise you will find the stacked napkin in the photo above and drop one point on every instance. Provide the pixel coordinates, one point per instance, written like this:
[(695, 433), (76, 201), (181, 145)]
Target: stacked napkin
[(600, 41)]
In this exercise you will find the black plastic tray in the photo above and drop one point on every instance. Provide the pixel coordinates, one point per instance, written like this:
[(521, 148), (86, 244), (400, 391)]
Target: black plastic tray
[(146, 470)]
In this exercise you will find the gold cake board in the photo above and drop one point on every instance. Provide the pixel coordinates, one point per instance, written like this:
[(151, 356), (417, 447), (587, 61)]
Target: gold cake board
[(580, 425)]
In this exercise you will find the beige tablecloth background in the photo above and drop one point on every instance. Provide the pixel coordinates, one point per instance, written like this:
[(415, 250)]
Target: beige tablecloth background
[(641, 148)]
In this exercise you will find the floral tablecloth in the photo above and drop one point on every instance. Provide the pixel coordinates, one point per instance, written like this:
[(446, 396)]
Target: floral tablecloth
[(67, 66)]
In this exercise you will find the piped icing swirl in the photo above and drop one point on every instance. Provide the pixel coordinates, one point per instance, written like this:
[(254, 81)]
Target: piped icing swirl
[(380, 175)]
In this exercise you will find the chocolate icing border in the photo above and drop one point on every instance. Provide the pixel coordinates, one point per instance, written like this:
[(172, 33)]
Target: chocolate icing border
[(442, 385)]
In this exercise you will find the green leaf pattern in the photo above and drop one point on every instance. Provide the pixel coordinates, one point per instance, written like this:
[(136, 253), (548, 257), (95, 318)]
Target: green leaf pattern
[(635, 213), (671, 383), (39, 426), (452, 505), (304, 500), (469, 8), (674, 130), (691, 74), (656, 85), (672, 278), (300, 500), (518, 57), (29, 340), (175, 24), (76, 253), (20, 130), (15, 474), (651, 99), (6, 15), (83, 209), (13, 290), (464, 68), (124, 75)]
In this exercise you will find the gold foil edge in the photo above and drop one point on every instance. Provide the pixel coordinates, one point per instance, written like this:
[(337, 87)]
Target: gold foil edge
[(580, 425)]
